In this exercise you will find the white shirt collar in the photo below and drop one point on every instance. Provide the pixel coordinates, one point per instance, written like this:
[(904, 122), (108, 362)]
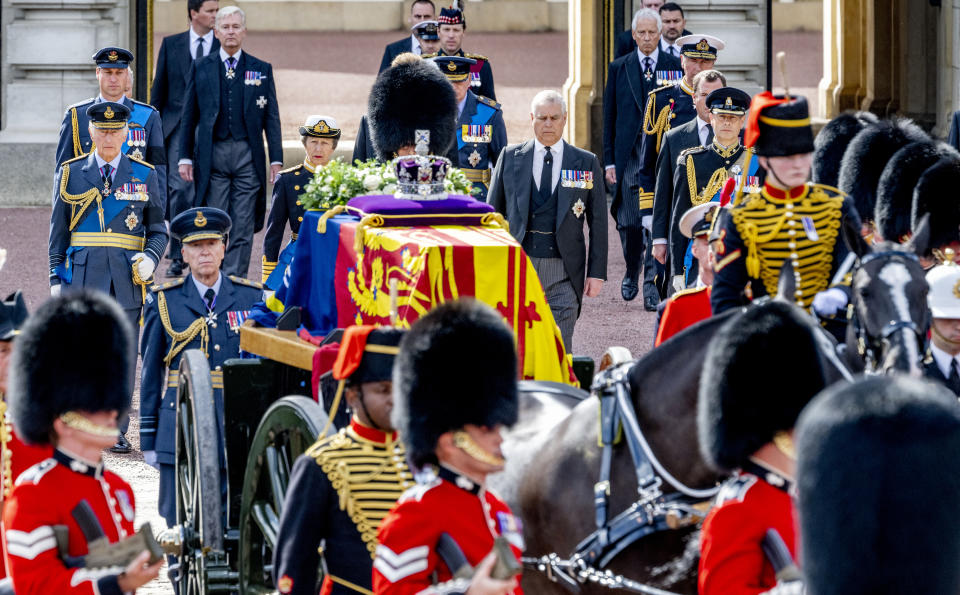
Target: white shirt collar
[(202, 289), (113, 163), (100, 99), (224, 55), (207, 41), (942, 358), (555, 150), (665, 46), (653, 56)]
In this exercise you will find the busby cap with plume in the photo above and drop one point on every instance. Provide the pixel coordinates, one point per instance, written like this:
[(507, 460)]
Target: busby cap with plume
[(761, 368), (867, 155), (408, 97), (457, 365), (895, 188), (878, 485), (778, 125), (367, 354), (73, 354), (831, 143), (935, 194)]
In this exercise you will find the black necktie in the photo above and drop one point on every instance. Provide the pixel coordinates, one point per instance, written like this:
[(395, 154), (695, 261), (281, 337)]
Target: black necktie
[(209, 297), (954, 380), (199, 53), (546, 176), (673, 51), (647, 63)]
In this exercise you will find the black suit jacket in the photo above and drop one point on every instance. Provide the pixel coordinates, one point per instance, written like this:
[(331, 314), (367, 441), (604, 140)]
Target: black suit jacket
[(393, 50), (170, 79), (510, 195), (624, 99), (675, 141), (953, 139), (260, 115), (932, 370)]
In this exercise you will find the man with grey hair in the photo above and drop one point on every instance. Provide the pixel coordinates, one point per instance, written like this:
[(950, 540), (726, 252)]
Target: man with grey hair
[(630, 79), (229, 105), (547, 188)]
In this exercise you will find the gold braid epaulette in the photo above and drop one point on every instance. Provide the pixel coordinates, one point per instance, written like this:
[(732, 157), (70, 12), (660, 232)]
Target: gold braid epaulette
[(179, 340), (710, 190), (79, 200), (662, 123), (77, 149)]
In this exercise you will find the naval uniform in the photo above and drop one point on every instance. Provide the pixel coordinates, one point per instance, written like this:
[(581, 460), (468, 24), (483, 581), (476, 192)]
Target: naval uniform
[(178, 307), (45, 497), (769, 226), (286, 207), (340, 490), (481, 136), (407, 562), (481, 75), (731, 556)]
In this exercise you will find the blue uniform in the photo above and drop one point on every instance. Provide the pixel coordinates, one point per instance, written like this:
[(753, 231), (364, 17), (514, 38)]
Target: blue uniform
[(144, 140), (93, 237), (286, 207), (175, 307), (481, 136)]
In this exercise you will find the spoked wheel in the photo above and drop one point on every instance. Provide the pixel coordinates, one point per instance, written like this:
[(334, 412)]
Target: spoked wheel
[(201, 559), (287, 429)]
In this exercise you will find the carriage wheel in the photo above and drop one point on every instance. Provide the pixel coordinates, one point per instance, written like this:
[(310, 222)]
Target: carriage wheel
[(613, 356), (199, 511), (287, 429)]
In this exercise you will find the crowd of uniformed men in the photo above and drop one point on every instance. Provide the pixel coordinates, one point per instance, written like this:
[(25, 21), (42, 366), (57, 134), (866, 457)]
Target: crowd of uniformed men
[(711, 198)]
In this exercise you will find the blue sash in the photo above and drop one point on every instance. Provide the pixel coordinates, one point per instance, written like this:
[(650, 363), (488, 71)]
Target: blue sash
[(139, 115)]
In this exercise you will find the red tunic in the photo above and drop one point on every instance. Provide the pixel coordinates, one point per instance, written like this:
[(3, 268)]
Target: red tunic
[(731, 559), (406, 557), (685, 308), (22, 457), (45, 496)]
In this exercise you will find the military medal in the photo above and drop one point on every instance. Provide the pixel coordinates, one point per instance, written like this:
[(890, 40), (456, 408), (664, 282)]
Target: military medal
[(131, 221), (262, 102), (231, 73), (137, 138), (647, 75), (474, 158), (106, 187), (252, 78), (211, 318), (578, 208)]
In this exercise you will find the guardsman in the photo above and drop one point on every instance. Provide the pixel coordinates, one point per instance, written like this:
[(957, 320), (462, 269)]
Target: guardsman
[(937, 181), (203, 310), (145, 132), (481, 132), (319, 136), (453, 26), (702, 171), (454, 444), (343, 486), (787, 218), (745, 432), (64, 395)]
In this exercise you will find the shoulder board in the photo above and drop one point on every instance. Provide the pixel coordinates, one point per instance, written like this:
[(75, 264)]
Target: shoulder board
[(168, 284), (135, 160), (245, 281), (80, 103), (35, 473), (77, 158), (692, 151), (290, 169), (735, 489), (476, 57), (660, 89), (143, 104), (690, 291), (488, 102), (433, 55)]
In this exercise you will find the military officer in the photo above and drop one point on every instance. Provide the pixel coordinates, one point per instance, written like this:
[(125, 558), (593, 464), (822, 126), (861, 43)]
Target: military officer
[(745, 432), (943, 359), (481, 132), (787, 218), (702, 171), (453, 26), (145, 131), (64, 395), (455, 444), (428, 33), (319, 136), (203, 310), (333, 496)]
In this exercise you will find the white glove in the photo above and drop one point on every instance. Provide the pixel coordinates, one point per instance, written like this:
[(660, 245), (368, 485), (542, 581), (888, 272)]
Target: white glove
[(647, 222), (829, 302), (146, 265), (55, 290), (678, 284), (150, 458)]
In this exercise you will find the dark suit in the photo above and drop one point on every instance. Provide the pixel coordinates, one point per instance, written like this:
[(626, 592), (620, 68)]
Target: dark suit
[(169, 87), (933, 372), (624, 100), (395, 49), (510, 194), (260, 116), (363, 146), (953, 139)]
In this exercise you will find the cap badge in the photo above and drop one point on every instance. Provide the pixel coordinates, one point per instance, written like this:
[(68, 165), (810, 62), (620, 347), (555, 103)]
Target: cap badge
[(108, 113), (956, 289), (703, 45), (113, 56), (200, 220), (451, 66), (321, 127), (728, 102)]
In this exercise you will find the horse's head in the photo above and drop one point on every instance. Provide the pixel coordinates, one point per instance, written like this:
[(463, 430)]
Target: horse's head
[(890, 317)]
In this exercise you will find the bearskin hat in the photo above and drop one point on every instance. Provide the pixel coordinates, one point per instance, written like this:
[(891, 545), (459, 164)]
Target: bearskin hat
[(935, 193), (832, 141), (73, 354), (761, 368), (409, 97), (867, 155), (895, 188), (878, 484), (457, 365)]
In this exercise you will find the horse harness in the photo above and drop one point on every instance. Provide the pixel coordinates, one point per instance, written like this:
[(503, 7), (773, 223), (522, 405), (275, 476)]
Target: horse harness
[(652, 512)]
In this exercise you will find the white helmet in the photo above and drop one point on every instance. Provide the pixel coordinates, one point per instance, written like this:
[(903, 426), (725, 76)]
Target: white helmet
[(944, 296)]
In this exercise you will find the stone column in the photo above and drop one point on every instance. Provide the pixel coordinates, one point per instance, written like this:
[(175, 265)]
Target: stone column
[(586, 71)]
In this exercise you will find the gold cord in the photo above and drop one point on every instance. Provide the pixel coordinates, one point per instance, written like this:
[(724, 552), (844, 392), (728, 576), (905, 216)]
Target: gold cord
[(74, 420), (495, 220), (179, 340), (79, 200), (77, 149), (464, 442), (137, 280), (716, 182)]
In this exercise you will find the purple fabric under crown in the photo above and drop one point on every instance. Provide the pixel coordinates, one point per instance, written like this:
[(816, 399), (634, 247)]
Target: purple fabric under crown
[(453, 210)]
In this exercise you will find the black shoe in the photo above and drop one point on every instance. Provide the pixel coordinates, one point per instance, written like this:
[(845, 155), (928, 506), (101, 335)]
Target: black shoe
[(175, 269), (122, 447), (629, 288), (650, 304)]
